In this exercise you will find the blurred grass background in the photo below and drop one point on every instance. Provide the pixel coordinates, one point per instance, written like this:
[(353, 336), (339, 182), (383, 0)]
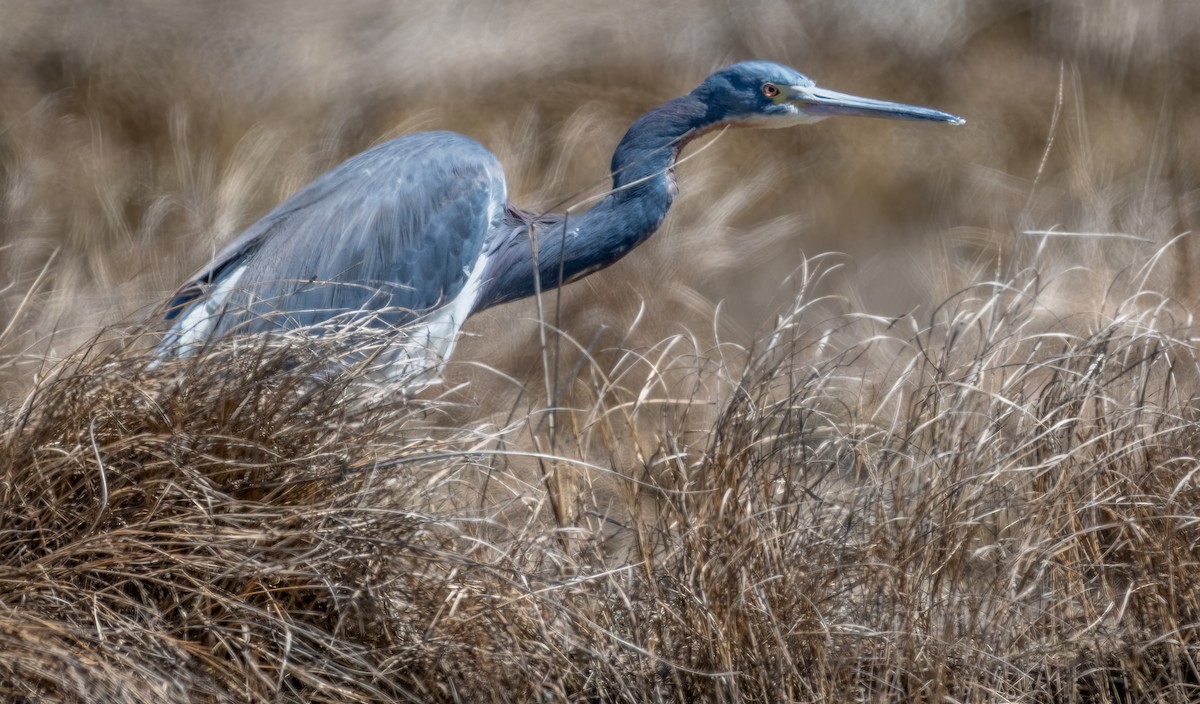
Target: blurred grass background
[(137, 138)]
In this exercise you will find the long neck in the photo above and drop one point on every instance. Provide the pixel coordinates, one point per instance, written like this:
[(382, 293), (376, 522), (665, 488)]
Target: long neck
[(573, 246)]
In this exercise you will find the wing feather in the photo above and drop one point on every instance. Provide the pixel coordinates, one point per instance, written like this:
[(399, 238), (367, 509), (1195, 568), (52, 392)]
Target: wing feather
[(395, 230)]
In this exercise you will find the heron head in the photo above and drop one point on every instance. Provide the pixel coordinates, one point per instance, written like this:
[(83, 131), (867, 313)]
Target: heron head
[(767, 94)]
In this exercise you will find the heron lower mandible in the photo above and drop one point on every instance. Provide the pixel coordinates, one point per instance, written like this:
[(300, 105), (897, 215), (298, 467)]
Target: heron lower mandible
[(416, 233)]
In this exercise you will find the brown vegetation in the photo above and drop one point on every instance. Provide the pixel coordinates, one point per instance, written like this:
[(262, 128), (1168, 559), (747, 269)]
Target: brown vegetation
[(959, 464)]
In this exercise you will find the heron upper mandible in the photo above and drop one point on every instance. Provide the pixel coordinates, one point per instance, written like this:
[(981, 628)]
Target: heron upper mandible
[(416, 233)]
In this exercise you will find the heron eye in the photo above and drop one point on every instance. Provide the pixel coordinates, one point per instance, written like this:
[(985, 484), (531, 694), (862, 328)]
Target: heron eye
[(770, 90)]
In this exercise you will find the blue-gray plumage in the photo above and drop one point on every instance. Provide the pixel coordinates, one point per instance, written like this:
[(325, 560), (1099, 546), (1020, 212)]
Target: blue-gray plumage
[(418, 229)]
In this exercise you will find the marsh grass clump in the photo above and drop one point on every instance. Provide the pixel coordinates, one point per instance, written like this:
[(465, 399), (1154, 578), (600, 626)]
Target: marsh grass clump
[(1002, 501), (994, 501), (195, 532)]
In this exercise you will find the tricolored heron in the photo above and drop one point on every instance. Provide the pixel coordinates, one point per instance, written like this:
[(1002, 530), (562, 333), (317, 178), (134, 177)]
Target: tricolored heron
[(417, 231)]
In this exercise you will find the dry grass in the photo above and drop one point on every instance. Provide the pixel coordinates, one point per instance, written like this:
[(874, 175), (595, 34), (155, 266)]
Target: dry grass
[(980, 506), (959, 464)]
